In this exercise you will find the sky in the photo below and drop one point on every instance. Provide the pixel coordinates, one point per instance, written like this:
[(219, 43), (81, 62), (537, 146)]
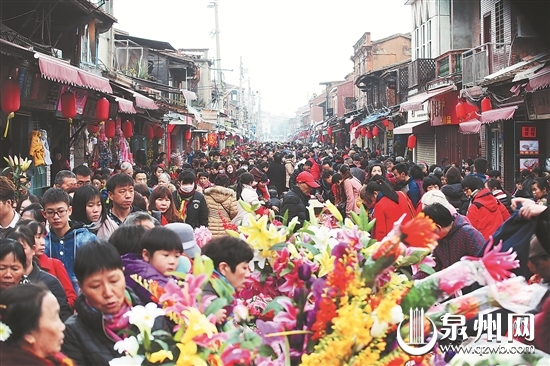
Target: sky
[(288, 47)]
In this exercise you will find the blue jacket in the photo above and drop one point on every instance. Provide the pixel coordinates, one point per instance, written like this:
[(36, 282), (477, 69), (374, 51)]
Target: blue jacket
[(65, 248), (413, 191)]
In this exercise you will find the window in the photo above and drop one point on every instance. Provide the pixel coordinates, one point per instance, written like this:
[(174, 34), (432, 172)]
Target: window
[(423, 40), (499, 21)]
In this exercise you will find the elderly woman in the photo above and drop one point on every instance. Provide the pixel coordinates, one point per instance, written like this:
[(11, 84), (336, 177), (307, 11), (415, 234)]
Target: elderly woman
[(13, 263), (91, 334), (32, 314)]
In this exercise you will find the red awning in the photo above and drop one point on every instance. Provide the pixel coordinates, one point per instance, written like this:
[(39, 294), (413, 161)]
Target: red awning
[(415, 102), (125, 106), (498, 114), (144, 102), (541, 79), (58, 70), (469, 128)]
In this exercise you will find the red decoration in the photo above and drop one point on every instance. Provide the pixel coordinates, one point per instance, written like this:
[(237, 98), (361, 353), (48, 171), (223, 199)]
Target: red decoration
[(486, 104), (363, 132), (159, 132), (92, 128), (222, 135), (148, 132), (369, 134), (411, 142), (110, 129), (385, 123), (357, 133), (375, 131), (11, 100), (460, 110), (68, 105), (528, 131), (102, 109), (329, 131), (187, 135), (128, 129)]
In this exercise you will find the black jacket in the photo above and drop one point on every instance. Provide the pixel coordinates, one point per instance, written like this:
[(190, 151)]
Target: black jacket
[(295, 202), (277, 176), (292, 179), (52, 283), (197, 210), (86, 342), (455, 196)]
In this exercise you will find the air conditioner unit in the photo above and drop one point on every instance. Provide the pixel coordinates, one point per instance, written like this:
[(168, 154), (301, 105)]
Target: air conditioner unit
[(524, 29)]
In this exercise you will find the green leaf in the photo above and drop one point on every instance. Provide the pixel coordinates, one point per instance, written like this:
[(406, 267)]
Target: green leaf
[(265, 350), (215, 305), (421, 295), (179, 333), (279, 246), (426, 269), (274, 305), (309, 247), (162, 344), (248, 345), (286, 271), (161, 334), (285, 218)]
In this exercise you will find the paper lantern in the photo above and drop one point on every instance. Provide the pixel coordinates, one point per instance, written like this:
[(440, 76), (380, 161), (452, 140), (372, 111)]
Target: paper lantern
[(329, 131), (102, 109), (148, 132), (411, 142), (363, 132), (11, 100), (375, 131), (128, 129), (159, 132), (68, 105), (385, 123), (369, 134), (486, 104), (110, 129), (92, 128), (460, 110), (187, 136)]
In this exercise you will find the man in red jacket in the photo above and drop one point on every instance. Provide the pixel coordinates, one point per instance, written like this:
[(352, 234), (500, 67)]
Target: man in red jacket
[(486, 213)]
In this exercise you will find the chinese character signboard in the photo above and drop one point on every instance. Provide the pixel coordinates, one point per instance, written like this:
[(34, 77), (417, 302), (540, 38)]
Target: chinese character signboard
[(538, 104), (528, 132), (443, 110)]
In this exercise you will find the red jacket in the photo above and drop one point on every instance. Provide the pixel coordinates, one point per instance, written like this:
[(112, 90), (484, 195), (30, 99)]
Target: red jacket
[(315, 169), (486, 213), (56, 268), (387, 212)]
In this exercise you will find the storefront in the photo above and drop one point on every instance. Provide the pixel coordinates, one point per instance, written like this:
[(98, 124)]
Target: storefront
[(534, 135), (418, 123)]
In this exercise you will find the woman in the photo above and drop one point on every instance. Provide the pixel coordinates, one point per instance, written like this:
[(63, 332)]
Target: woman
[(13, 263), (453, 191), (352, 187), (99, 322), (24, 201), (540, 187), (34, 274), (389, 205), (32, 314), (33, 212), (157, 171), (247, 193), (222, 205), (231, 173), (161, 200), (289, 167), (88, 208), (165, 181)]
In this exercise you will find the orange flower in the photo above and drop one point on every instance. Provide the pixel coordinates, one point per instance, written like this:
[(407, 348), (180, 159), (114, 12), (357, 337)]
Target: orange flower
[(389, 249), (418, 232), (469, 308)]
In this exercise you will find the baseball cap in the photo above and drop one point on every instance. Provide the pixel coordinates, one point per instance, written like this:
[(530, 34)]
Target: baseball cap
[(306, 177), (187, 237)]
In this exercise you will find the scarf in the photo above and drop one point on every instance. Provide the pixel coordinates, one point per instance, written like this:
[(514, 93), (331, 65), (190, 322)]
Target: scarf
[(208, 184), (264, 193), (185, 199), (117, 322)]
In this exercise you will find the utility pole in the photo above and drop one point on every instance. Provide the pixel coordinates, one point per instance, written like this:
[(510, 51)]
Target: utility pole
[(219, 96), (241, 96)]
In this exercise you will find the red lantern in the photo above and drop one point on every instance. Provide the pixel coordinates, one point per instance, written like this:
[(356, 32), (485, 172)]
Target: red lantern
[(68, 105), (363, 132), (460, 110), (110, 129), (486, 104), (148, 132), (375, 131), (329, 131), (411, 142), (385, 123), (187, 135), (159, 132), (92, 128), (222, 135), (357, 133), (102, 109), (11, 100), (128, 129), (369, 134)]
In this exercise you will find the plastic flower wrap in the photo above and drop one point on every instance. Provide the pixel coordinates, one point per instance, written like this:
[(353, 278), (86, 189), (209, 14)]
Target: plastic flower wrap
[(202, 235)]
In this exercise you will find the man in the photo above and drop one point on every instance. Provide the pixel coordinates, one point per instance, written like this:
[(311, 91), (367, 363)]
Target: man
[(140, 177), (495, 174), (141, 218), (494, 185), (325, 191), (296, 200), (315, 166), (126, 168), (277, 173), (190, 204), (480, 169), (83, 175), (66, 180), (8, 216), (406, 183), (355, 169), (305, 167)]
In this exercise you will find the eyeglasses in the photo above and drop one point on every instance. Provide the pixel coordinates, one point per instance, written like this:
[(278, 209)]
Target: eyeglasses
[(52, 213)]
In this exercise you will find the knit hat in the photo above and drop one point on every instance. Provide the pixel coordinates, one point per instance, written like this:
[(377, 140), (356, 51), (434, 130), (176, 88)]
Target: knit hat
[(436, 196), (187, 237)]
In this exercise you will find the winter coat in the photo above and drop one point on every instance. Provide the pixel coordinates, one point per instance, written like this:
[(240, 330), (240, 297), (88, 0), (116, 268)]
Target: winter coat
[(86, 341), (463, 239), (134, 264), (352, 188), (249, 196), (294, 175), (504, 197), (197, 210), (295, 202), (315, 169), (289, 167), (55, 268), (486, 213), (221, 201), (455, 196), (66, 248), (277, 176), (387, 212), (13, 355), (358, 173), (39, 276)]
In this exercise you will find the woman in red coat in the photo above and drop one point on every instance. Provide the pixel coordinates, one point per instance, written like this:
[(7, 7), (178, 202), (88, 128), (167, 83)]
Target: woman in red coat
[(389, 206)]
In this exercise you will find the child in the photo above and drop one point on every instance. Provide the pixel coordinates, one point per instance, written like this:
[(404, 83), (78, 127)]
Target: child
[(160, 250), (64, 238), (231, 257)]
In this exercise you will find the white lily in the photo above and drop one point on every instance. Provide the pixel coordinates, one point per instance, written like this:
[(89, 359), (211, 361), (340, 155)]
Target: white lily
[(144, 317), (129, 346), (127, 361), (5, 332)]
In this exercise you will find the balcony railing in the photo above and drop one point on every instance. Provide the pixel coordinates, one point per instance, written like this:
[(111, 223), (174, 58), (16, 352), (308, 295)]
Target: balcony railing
[(421, 71), (484, 60)]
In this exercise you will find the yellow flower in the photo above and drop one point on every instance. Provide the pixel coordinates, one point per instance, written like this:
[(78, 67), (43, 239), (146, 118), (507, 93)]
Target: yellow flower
[(188, 355), (197, 324), (334, 211), (258, 234), (160, 356), (326, 262)]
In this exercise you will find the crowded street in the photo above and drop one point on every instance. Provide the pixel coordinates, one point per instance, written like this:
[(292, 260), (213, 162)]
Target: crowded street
[(157, 208)]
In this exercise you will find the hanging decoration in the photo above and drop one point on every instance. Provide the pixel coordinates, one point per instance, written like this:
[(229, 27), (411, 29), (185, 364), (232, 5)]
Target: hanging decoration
[(375, 131), (188, 134), (92, 128), (363, 132), (148, 132), (102, 109), (369, 134), (159, 132), (411, 142), (212, 139), (110, 129), (329, 131), (486, 104), (128, 129), (11, 100), (222, 135), (68, 105), (385, 123), (460, 109)]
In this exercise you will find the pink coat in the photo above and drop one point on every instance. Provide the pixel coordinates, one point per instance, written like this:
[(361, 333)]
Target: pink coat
[(352, 188)]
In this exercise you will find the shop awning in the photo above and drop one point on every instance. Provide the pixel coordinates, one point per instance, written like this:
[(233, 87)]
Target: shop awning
[(60, 71), (125, 106), (145, 103), (373, 118), (539, 80), (410, 127), (415, 102), (498, 114), (470, 127), (188, 95)]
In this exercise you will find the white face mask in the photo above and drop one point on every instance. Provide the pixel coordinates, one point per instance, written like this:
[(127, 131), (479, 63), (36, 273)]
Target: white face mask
[(187, 188), (245, 167)]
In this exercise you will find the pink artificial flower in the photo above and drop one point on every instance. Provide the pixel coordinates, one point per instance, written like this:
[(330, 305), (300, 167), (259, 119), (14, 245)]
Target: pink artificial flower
[(292, 281), (497, 263), (233, 355), (351, 236), (281, 262), (202, 235), (287, 318)]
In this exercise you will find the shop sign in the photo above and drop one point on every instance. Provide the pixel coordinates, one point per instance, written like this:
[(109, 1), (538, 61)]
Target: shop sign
[(538, 104), (443, 109), (528, 131), (421, 115), (81, 97)]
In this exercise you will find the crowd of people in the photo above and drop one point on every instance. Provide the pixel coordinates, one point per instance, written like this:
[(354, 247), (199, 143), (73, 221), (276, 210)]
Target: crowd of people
[(67, 257)]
